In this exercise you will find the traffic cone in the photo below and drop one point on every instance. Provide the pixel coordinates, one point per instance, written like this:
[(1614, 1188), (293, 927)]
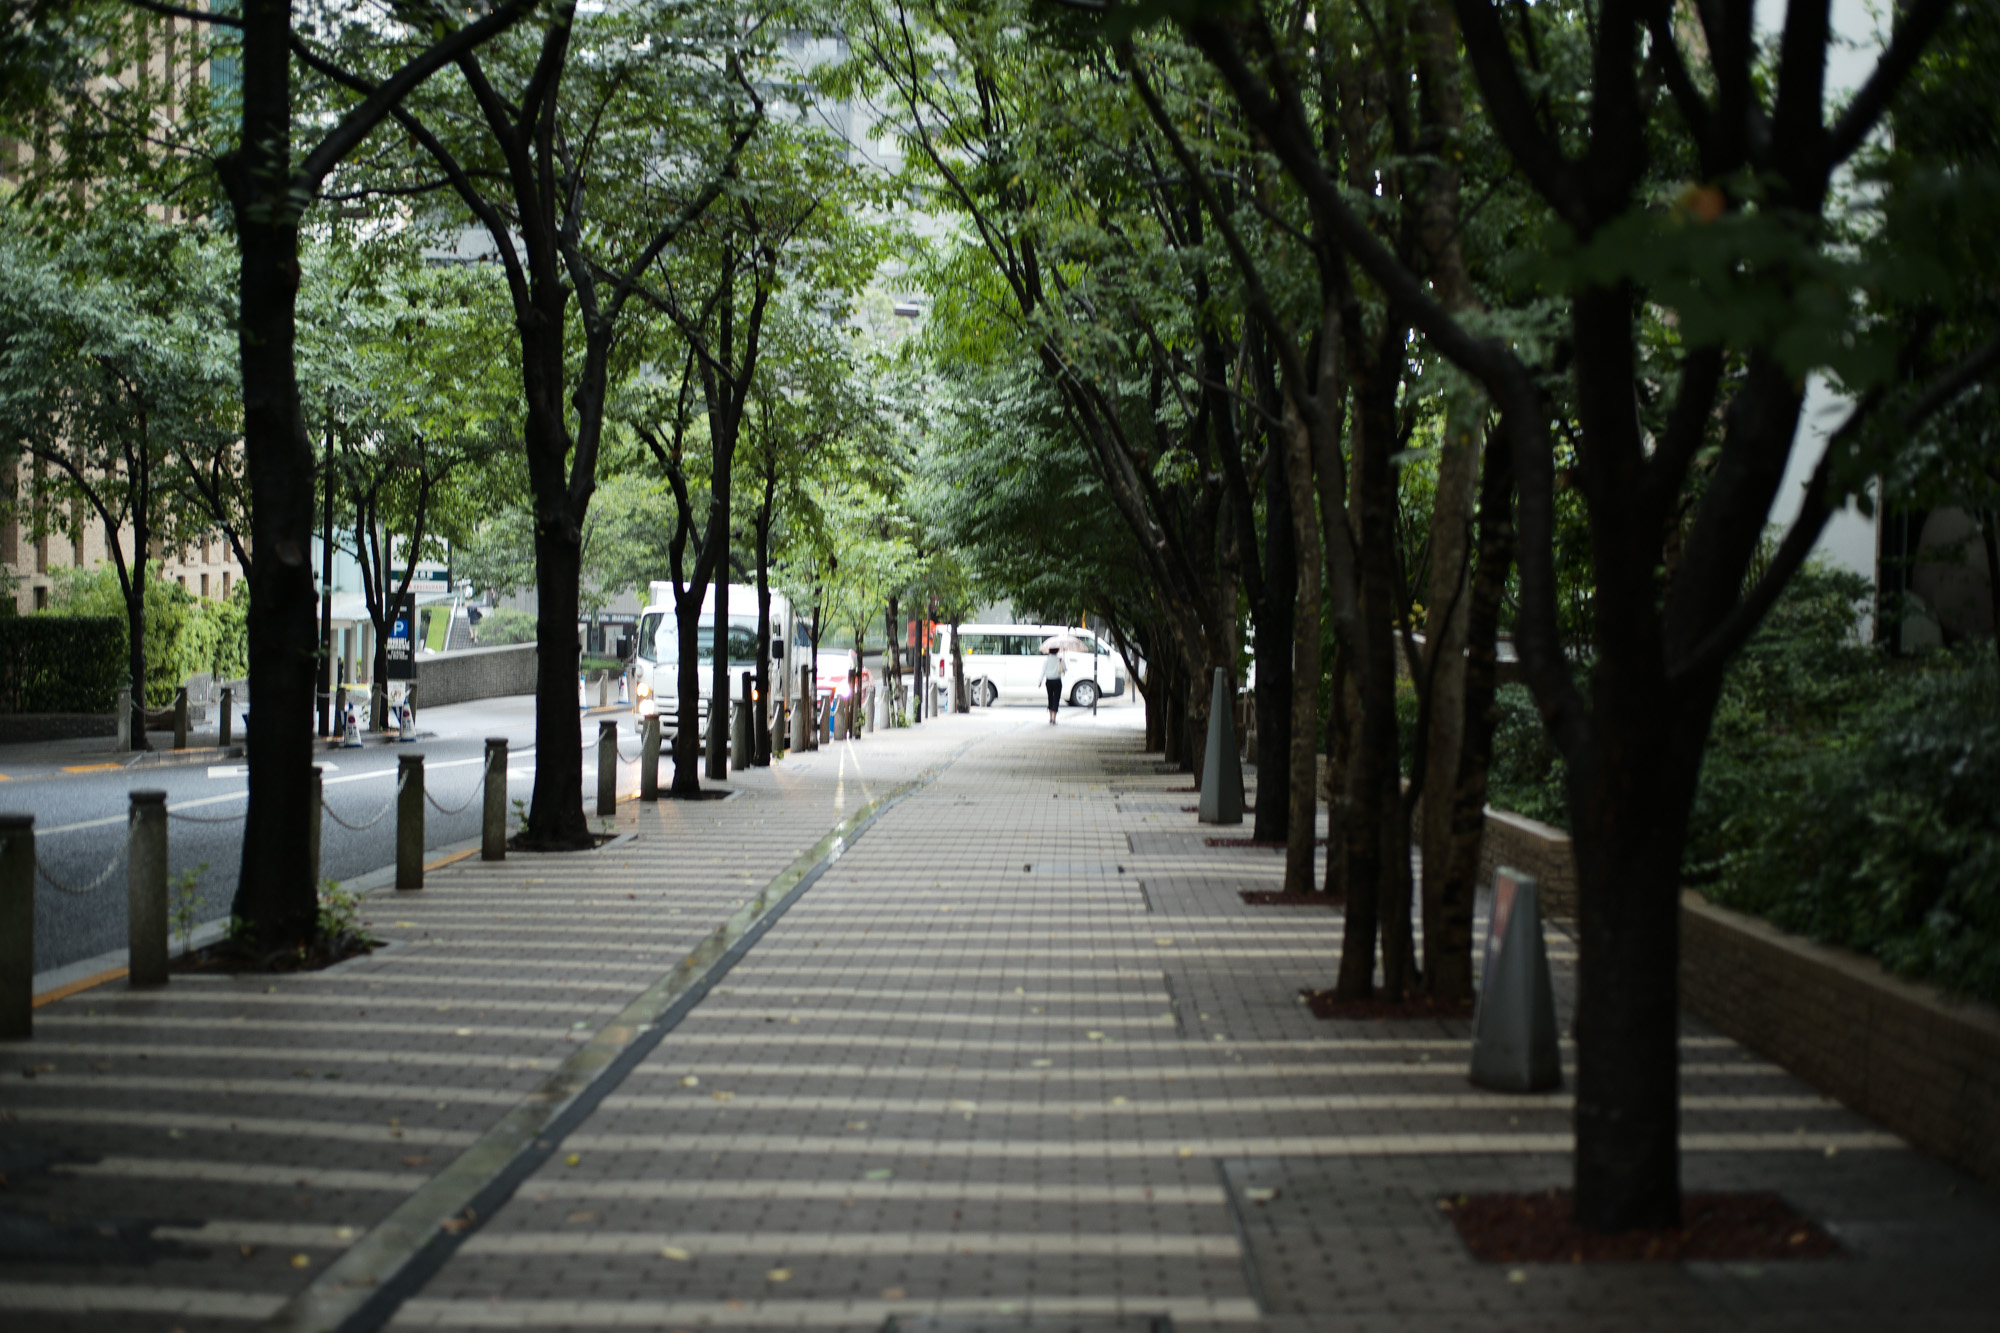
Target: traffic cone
[(350, 734)]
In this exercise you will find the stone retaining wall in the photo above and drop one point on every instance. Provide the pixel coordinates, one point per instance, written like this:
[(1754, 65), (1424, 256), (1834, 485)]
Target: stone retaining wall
[(1536, 849), (476, 673), (1893, 1050)]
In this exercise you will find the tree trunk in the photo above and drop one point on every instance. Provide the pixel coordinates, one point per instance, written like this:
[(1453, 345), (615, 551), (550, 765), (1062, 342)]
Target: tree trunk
[(1448, 616), (1273, 627), (1448, 964), (276, 899), (959, 702), (716, 750), (135, 654), (687, 696), (1628, 845), (555, 814), (1303, 732), (760, 712), (1991, 541)]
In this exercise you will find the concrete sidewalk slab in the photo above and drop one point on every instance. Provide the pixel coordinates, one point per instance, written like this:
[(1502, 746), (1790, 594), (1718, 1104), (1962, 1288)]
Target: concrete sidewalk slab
[(1007, 1063)]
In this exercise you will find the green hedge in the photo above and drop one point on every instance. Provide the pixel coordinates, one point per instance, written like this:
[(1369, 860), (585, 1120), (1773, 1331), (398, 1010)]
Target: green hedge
[(61, 664), (185, 636)]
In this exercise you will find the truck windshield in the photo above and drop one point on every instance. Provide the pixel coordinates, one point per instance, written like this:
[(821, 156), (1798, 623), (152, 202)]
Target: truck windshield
[(660, 641)]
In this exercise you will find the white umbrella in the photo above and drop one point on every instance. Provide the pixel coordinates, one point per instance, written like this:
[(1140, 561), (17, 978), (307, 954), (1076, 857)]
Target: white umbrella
[(1064, 643)]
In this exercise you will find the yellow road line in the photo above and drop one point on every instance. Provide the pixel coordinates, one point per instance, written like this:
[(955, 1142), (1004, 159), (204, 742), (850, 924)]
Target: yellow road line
[(444, 861)]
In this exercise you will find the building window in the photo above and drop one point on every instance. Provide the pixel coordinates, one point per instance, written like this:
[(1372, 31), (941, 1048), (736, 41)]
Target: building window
[(225, 585), (204, 587), (41, 599)]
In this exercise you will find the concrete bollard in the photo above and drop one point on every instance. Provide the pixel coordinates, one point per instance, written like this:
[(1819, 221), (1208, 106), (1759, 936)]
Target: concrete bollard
[(181, 718), (493, 816), (1514, 1042), (409, 821), (1222, 767), (146, 888), (649, 760), (315, 821), (228, 717), (124, 707), (604, 689), (607, 769), (17, 926), (795, 732)]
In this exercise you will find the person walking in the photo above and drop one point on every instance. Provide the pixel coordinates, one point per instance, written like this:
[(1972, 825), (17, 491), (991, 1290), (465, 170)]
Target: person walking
[(1052, 674)]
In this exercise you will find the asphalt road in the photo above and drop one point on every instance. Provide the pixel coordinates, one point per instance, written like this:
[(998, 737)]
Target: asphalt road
[(80, 819)]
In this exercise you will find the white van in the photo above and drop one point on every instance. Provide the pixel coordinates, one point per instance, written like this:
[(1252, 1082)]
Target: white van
[(656, 661), (1005, 662)]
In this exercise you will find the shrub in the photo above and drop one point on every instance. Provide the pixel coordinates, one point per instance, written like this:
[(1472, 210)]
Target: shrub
[(504, 625), (184, 636), (1888, 843)]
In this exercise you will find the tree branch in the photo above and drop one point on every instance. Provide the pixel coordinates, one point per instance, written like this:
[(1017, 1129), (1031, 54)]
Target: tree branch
[(359, 122)]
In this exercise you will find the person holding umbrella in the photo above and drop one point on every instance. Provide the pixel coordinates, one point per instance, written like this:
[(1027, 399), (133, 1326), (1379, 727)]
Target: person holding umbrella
[(1052, 666)]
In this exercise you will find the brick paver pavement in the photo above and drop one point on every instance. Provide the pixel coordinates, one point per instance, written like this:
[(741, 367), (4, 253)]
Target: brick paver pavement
[(1013, 1055)]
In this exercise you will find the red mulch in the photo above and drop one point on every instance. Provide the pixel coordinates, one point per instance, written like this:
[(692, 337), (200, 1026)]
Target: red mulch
[(1271, 898), (1195, 809), (1536, 1229), (1252, 842), (1324, 1005)]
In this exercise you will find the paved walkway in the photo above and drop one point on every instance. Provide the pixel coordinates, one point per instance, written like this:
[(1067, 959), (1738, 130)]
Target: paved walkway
[(958, 1027)]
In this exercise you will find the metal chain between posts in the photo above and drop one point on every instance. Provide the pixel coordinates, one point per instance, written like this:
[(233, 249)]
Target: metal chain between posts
[(380, 815), (478, 790), (41, 868)]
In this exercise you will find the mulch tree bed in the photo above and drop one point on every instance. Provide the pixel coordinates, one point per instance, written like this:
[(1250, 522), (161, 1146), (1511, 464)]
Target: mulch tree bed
[(1274, 898), (1195, 809), (1252, 842), (228, 957), (1537, 1229), (1324, 1004)]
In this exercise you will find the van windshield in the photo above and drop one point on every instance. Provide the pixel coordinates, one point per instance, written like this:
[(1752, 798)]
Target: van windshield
[(659, 639)]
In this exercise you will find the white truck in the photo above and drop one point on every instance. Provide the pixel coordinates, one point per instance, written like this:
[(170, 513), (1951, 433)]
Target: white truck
[(656, 661)]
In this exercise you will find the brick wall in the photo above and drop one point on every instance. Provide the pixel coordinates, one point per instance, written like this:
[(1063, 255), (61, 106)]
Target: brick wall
[(1533, 848), (1895, 1051), (476, 673)]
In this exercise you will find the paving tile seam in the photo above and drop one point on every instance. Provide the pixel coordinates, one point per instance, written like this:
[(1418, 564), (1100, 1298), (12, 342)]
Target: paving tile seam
[(1155, 1101), (851, 1243), (412, 1136), (1201, 1145), (365, 1288), (641, 1313), (317, 1089), (749, 1189)]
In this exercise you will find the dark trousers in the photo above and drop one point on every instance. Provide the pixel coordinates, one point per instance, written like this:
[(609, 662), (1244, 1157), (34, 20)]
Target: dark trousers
[(1055, 693)]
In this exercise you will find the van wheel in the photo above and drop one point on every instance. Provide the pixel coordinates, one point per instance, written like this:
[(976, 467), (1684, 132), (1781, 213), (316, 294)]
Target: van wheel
[(992, 694), (1085, 694)]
